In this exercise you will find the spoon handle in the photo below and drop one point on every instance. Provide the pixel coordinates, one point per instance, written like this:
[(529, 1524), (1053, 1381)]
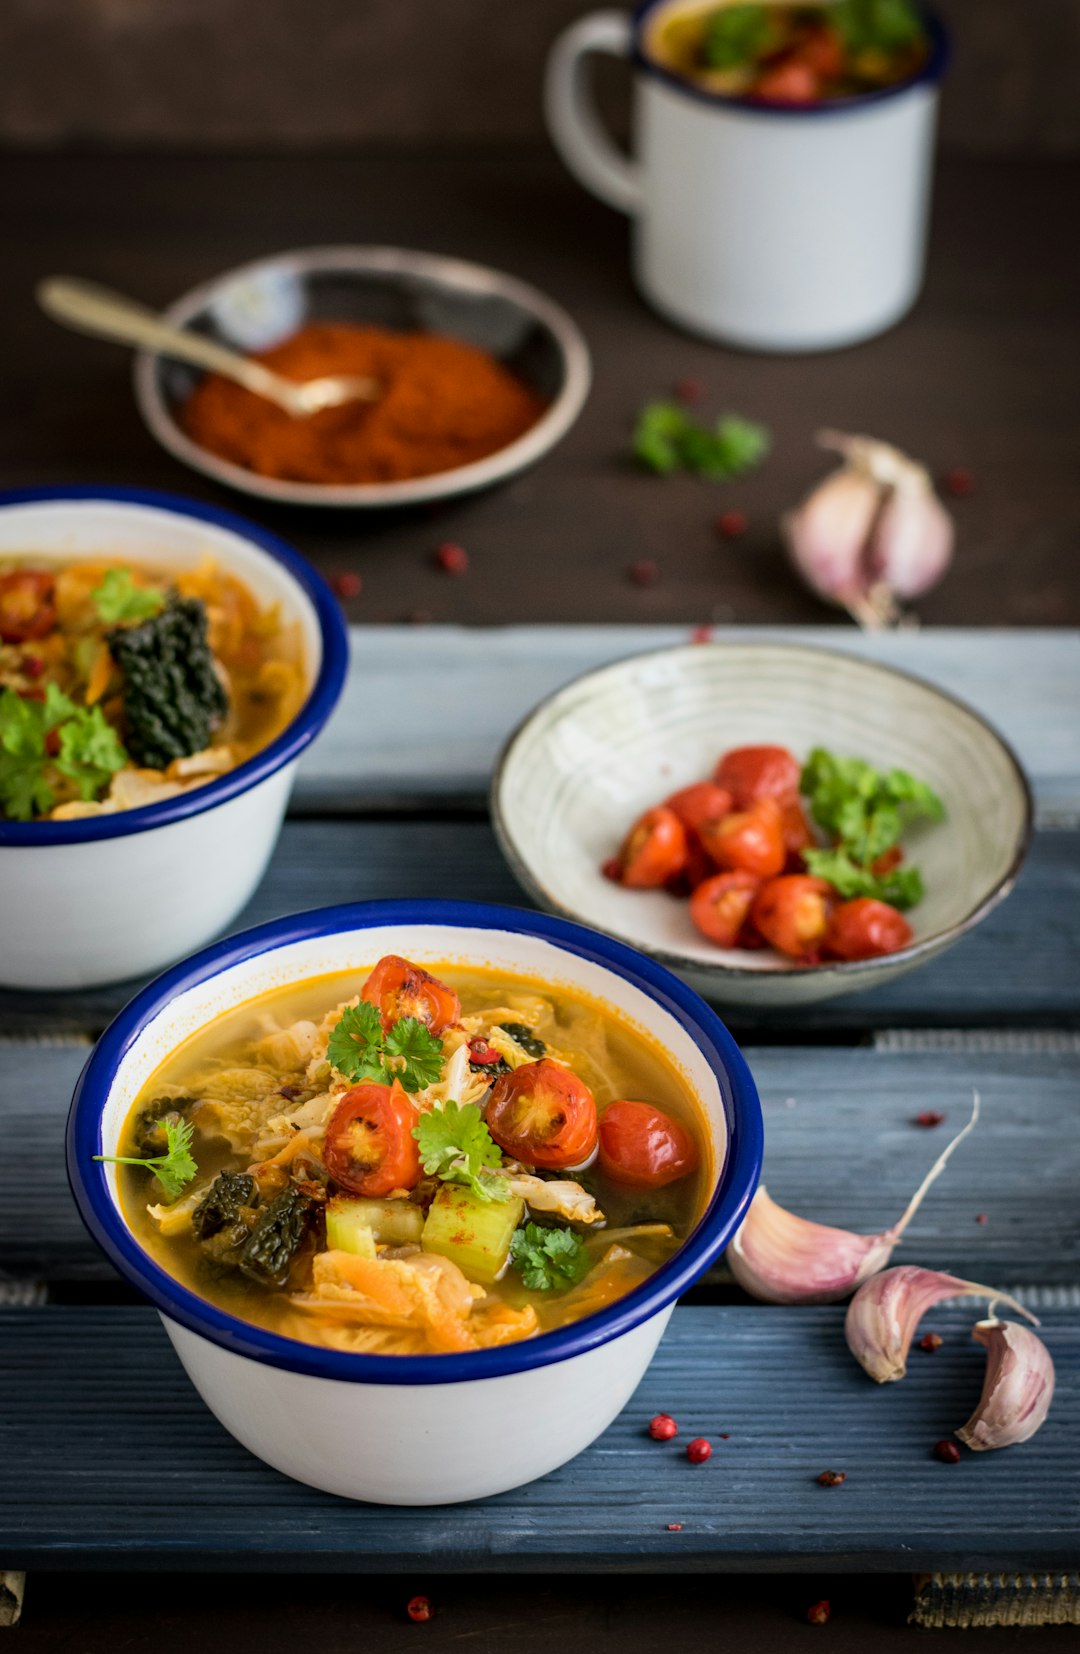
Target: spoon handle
[(91, 309)]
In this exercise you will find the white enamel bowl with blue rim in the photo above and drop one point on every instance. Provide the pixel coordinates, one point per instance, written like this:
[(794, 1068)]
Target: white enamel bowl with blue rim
[(260, 304), (416, 1430), (100, 900), (594, 755)]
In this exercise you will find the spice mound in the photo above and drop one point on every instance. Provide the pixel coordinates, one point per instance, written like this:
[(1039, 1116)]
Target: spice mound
[(444, 404)]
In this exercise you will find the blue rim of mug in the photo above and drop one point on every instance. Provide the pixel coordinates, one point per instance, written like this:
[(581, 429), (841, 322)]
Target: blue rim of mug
[(297, 735), (929, 73), (736, 1180)]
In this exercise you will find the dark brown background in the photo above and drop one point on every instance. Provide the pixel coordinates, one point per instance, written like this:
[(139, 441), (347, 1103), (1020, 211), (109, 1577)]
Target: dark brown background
[(213, 72)]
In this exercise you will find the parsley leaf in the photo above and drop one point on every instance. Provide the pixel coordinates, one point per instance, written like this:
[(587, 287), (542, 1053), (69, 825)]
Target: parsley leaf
[(901, 887), (456, 1145), (666, 439), (176, 1168), (359, 1049), (548, 1259), (118, 598), (87, 750), (355, 1044)]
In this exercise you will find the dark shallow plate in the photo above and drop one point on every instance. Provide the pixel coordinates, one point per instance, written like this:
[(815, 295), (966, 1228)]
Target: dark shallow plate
[(259, 304)]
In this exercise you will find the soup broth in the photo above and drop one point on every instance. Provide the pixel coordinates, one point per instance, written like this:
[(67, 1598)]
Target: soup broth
[(531, 1159)]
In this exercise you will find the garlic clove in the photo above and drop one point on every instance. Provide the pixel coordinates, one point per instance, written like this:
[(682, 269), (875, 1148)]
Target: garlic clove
[(781, 1258), (911, 545), (1017, 1389), (827, 536), (885, 1312)]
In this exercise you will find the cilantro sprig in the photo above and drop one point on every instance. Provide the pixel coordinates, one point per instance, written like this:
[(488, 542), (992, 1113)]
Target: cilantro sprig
[(456, 1145), (41, 741), (865, 811), (548, 1260), (118, 598), (360, 1050), (174, 1169), (667, 439), (736, 36)]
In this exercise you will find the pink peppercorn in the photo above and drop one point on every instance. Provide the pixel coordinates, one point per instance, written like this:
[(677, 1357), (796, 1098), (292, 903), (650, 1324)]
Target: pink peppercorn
[(698, 1450), (644, 572), (818, 1613), (701, 634), (674, 1527), (689, 390), (731, 524), (32, 666), (931, 1341), (348, 584), (419, 1609), (832, 1478), (451, 558), (663, 1427), (929, 1117), (959, 482), (947, 1452)]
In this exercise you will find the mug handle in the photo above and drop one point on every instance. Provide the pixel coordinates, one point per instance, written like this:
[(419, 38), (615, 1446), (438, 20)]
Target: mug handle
[(575, 127)]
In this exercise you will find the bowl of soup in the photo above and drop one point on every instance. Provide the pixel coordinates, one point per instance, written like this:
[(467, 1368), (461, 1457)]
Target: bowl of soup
[(401, 1174), (163, 665)]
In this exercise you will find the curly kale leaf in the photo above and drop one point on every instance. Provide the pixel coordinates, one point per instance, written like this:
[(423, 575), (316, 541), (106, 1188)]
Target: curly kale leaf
[(173, 697), (268, 1253)]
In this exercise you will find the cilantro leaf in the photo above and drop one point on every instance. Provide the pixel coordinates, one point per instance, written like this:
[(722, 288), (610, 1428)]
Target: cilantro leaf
[(118, 598), (91, 752), (735, 36), (548, 1259), (413, 1054), (876, 25), (901, 887), (355, 1044), (456, 1145), (667, 439), (174, 1169), (87, 750), (864, 810)]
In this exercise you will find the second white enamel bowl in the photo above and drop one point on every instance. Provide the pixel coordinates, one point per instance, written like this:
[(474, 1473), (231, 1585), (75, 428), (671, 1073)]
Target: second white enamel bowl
[(597, 753), (417, 1430)]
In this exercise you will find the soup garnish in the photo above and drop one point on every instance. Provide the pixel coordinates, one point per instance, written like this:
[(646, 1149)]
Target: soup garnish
[(418, 1167), (122, 685)]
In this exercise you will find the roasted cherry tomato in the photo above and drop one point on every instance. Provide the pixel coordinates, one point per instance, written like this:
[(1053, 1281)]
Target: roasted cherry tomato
[(750, 839), (864, 929), (750, 773), (27, 606), (888, 861), (698, 866), (719, 907), (798, 834), (644, 1148), (399, 989), (790, 81), (543, 1114), (702, 802), (654, 850), (822, 51), (369, 1147), (793, 913)]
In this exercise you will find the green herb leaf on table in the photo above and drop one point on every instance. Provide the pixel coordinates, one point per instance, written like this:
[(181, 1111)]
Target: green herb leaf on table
[(548, 1259), (667, 438), (901, 887), (456, 1146), (42, 739), (118, 598), (174, 1169), (360, 1050)]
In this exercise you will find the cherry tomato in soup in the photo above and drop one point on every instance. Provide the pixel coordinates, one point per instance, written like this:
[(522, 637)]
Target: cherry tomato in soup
[(27, 606), (750, 773), (865, 929), (398, 988), (752, 839), (720, 906), (822, 51), (543, 1114), (702, 802), (792, 913), (369, 1147), (654, 850), (791, 81), (644, 1148)]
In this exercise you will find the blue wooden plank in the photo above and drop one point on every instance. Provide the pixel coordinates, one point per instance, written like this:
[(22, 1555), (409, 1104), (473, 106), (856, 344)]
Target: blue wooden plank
[(980, 982), (84, 1481)]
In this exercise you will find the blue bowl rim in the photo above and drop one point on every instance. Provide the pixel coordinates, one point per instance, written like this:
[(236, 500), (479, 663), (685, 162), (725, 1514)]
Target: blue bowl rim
[(734, 1190), (930, 72), (299, 734)]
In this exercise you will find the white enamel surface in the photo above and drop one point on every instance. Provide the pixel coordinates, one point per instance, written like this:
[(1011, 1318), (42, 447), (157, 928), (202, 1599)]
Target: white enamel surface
[(125, 906), (604, 749), (420, 1444), (414, 1444), (771, 231)]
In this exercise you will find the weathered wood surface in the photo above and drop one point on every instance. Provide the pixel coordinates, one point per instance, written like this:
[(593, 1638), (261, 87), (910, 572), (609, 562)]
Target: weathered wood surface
[(842, 1147), (427, 708), (99, 1490), (1019, 968)]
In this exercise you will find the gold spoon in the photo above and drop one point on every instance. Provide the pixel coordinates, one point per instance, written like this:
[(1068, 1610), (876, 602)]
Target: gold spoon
[(91, 309)]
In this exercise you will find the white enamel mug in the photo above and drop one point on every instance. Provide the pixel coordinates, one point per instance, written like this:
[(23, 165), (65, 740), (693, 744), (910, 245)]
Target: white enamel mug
[(769, 227)]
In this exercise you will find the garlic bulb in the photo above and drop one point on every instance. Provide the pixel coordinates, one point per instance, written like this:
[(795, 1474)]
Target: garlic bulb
[(1017, 1389), (872, 533), (784, 1259), (885, 1312)]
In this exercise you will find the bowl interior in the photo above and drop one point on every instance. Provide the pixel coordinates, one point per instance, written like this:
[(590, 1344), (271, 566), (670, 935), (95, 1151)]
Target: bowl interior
[(258, 306), (602, 750), (80, 529)]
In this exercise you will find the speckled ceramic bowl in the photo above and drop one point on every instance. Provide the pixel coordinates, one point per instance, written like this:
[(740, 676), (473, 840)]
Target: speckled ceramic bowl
[(260, 304), (597, 753)]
